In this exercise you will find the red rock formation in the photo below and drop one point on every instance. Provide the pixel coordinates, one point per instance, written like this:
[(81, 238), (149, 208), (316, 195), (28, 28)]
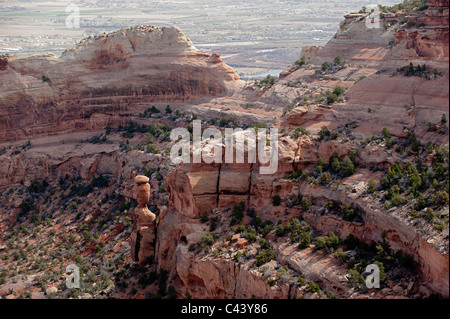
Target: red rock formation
[(143, 236), (110, 74), (196, 189), (428, 36), (102, 78), (395, 101)]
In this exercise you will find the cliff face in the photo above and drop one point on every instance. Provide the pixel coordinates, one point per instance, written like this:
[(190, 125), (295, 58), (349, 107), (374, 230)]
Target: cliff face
[(199, 189), (376, 93), (428, 36), (109, 80), (105, 77), (377, 96), (421, 35)]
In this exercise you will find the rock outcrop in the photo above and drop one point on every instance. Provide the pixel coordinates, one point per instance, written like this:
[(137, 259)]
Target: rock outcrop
[(108, 80), (194, 191), (427, 38), (102, 79), (377, 95)]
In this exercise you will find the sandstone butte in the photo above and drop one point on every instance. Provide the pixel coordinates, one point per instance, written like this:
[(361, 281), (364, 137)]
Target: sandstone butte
[(58, 103)]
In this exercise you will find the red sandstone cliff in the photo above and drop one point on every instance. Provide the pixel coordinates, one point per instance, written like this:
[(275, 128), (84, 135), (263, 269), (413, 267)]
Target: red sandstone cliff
[(104, 77), (101, 80)]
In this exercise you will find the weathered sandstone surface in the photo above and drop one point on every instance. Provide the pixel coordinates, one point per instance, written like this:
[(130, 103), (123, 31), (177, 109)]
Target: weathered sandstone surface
[(102, 79), (198, 189), (60, 102)]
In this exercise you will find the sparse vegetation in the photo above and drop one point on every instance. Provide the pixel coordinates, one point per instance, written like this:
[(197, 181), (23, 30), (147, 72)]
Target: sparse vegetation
[(422, 71), (327, 243), (300, 63), (407, 6), (418, 186), (329, 68), (238, 213), (149, 112), (264, 257), (276, 201), (267, 82)]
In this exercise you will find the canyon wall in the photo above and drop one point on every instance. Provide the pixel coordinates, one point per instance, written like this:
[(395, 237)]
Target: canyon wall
[(103, 79), (197, 189), (376, 93), (109, 79)]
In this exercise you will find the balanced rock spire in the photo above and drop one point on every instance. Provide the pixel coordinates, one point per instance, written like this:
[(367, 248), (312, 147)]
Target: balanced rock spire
[(143, 233)]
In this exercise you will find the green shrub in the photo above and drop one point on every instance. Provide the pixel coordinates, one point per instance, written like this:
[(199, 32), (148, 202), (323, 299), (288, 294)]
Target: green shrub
[(276, 201), (348, 213), (263, 244), (352, 242), (341, 256), (280, 230), (207, 240), (240, 229), (37, 187), (237, 256), (324, 132), (338, 91), (330, 295), (305, 240), (313, 287), (305, 203), (398, 200), (267, 82), (327, 242), (371, 186), (325, 66), (271, 282), (301, 62), (339, 61), (26, 206), (264, 257), (148, 112), (302, 281), (238, 213), (325, 178), (440, 226), (213, 223), (251, 237), (355, 278), (204, 219), (335, 165), (430, 214), (347, 167), (334, 135), (331, 98), (362, 77)]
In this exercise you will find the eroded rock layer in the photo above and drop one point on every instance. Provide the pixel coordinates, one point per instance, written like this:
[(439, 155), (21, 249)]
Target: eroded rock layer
[(97, 82)]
